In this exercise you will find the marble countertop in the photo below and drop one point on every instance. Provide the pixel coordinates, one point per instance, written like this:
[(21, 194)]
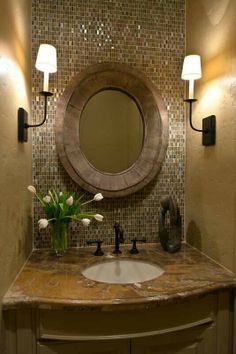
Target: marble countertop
[(57, 283)]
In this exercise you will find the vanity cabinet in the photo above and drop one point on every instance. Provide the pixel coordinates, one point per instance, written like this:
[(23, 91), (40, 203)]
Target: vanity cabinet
[(198, 326)]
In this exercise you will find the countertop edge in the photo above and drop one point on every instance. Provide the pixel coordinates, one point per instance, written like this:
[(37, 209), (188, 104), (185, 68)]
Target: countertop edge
[(11, 303)]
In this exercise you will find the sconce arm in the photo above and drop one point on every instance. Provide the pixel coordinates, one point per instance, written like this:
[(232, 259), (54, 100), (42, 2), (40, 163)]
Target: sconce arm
[(191, 101), (45, 94)]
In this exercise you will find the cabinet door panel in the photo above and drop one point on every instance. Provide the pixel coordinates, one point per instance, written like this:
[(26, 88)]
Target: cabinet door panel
[(193, 341), (92, 347)]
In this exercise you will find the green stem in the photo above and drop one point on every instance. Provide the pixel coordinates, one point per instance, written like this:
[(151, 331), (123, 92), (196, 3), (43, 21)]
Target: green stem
[(51, 195), (51, 219), (60, 236), (78, 217), (89, 201), (40, 200)]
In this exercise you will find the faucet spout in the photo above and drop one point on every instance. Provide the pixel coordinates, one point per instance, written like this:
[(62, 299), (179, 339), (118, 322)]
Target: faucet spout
[(119, 238)]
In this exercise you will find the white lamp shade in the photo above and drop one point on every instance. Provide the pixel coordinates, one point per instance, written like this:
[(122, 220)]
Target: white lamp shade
[(47, 58), (192, 68)]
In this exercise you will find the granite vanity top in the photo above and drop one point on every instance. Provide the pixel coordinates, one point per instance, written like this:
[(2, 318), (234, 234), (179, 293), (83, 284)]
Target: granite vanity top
[(57, 283)]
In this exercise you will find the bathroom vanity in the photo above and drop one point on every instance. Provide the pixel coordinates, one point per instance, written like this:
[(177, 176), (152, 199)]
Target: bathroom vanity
[(53, 308)]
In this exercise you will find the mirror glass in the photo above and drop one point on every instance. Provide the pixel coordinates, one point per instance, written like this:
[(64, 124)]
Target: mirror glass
[(111, 131)]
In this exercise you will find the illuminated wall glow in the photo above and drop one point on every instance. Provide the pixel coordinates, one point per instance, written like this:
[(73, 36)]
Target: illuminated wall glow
[(3, 65), (15, 77), (212, 93), (219, 92)]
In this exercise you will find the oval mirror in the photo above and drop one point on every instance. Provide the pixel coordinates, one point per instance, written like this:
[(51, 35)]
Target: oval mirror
[(111, 129)]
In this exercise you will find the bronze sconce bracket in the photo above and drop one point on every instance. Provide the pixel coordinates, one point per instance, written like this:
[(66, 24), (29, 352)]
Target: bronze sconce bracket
[(23, 119), (208, 126)]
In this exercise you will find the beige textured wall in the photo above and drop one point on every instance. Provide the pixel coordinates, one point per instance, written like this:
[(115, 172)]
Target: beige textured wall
[(211, 171), (15, 158)]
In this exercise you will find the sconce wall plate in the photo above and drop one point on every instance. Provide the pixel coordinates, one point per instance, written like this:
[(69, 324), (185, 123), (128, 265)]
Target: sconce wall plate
[(22, 122), (209, 130)]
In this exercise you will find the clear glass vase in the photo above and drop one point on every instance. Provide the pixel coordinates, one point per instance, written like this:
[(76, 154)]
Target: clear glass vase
[(59, 236)]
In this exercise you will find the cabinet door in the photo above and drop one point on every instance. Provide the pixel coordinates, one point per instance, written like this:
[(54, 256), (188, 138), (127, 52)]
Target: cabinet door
[(193, 341), (92, 347)]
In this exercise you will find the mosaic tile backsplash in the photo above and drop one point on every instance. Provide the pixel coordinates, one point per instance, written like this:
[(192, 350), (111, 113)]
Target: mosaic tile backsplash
[(146, 34)]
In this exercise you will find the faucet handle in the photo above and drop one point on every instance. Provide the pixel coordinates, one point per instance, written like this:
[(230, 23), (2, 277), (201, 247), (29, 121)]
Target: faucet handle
[(134, 249), (98, 251)]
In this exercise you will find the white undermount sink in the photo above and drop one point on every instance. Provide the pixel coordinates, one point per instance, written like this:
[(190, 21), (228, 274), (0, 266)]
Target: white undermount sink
[(122, 271)]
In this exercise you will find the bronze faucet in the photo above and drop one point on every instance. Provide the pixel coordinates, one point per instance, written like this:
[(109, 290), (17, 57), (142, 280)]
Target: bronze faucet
[(118, 238)]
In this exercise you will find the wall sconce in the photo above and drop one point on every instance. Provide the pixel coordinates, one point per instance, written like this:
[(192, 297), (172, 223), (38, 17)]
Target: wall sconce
[(47, 62), (192, 71)]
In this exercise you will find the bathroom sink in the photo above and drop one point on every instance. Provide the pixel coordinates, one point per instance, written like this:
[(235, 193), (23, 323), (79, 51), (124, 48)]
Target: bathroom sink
[(122, 271)]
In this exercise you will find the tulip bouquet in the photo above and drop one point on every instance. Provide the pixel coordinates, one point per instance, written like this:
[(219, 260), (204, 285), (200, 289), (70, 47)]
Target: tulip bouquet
[(60, 209)]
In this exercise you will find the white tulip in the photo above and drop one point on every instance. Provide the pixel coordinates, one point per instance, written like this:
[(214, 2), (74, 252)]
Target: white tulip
[(98, 217), (85, 222), (47, 199), (31, 189), (43, 223), (70, 201), (98, 197)]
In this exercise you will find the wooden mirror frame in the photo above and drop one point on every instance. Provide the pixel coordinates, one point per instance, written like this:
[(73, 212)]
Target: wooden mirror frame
[(155, 120)]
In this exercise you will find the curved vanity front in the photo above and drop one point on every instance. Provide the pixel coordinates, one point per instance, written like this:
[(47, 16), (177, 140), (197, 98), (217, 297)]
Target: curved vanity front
[(53, 308)]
